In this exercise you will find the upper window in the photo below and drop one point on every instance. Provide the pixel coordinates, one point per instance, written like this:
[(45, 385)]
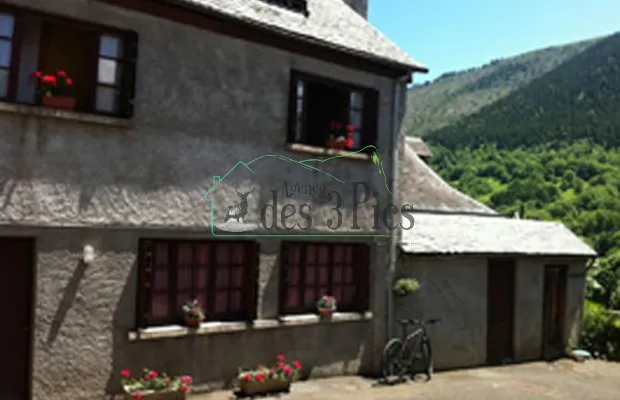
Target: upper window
[(311, 270), (100, 61), (300, 6), (330, 114), (221, 275)]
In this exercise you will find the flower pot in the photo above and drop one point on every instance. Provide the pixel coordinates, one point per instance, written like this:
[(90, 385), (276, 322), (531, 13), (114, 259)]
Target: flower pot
[(163, 395), (61, 102), (269, 385), (335, 144), (193, 322), (326, 312)]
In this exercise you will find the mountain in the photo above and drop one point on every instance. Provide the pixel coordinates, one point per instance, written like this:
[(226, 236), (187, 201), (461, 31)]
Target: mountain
[(579, 99), (455, 95)]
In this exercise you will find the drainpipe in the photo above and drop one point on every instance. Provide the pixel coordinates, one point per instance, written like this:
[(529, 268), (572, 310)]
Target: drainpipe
[(394, 174)]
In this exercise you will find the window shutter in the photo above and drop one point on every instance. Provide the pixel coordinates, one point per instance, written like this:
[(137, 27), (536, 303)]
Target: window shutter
[(145, 282), (362, 255), (130, 59), (371, 118), (292, 107), (252, 280), (285, 251)]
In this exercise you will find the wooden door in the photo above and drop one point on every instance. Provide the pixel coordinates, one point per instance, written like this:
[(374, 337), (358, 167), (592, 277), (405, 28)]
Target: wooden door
[(554, 308), (500, 310), (16, 304)]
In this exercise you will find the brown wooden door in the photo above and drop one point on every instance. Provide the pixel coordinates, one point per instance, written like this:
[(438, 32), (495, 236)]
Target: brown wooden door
[(554, 307), (16, 301), (500, 310)]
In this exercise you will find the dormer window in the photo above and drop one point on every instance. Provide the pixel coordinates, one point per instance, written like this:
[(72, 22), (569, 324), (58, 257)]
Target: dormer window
[(300, 6)]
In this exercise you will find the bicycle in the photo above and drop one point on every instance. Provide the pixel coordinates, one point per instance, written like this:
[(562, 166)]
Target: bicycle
[(400, 354)]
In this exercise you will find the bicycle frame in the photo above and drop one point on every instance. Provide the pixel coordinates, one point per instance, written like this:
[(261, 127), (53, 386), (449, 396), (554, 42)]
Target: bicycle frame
[(411, 342)]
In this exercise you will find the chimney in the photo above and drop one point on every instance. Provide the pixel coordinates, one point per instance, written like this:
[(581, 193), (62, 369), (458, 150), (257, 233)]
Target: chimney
[(360, 6)]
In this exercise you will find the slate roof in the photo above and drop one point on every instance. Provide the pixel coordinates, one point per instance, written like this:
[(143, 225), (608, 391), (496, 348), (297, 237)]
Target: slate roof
[(418, 145), (421, 187), (477, 234), (331, 23)]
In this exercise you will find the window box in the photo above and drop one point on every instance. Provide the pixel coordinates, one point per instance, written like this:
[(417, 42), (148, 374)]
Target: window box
[(164, 395), (100, 60), (221, 275), (328, 114)]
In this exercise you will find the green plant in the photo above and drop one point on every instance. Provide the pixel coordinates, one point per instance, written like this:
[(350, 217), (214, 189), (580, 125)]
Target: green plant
[(152, 381), (280, 370), (326, 302), (601, 332), (58, 83), (405, 286), (192, 309)]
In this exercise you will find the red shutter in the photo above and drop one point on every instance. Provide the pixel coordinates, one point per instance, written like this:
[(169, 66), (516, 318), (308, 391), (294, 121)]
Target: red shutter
[(252, 280), (362, 278), (145, 282), (130, 59), (371, 118)]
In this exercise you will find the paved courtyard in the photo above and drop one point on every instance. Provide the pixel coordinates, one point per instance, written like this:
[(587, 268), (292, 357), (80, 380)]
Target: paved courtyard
[(593, 380)]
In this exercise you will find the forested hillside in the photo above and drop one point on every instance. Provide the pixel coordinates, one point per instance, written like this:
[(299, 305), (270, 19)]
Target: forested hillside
[(549, 147), (455, 95)]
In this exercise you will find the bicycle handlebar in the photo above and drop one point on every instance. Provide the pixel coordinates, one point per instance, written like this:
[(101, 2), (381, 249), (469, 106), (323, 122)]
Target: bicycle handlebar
[(418, 322)]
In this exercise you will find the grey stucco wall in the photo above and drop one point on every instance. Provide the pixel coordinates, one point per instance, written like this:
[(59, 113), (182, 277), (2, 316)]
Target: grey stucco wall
[(84, 315), (203, 103), (454, 289)]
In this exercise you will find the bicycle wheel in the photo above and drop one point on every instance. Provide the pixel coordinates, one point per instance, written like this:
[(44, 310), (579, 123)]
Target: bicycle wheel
[(427, 357), (392, 361)]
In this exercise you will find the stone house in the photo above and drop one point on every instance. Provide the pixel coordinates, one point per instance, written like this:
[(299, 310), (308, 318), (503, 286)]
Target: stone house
[(104, 226), (505, 289), (186, 111)]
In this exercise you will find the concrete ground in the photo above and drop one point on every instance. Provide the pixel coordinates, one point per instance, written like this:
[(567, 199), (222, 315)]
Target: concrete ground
[(565, 379)]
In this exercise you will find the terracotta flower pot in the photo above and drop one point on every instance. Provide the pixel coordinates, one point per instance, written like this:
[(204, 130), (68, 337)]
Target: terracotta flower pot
[(326, 312), (61, 102), (193, 322), (335, 144)]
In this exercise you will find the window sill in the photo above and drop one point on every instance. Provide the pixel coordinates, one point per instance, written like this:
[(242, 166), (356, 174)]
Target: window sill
[(46, 112), (207, 328), (324, 151)]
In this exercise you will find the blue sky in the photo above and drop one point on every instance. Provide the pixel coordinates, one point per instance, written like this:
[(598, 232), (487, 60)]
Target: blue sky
[(448, 35)]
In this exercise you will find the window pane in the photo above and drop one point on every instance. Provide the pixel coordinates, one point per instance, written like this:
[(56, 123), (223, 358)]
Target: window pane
[(185, 254), (300, 88), (292, 299), (235, 301), (221, 280), (107, 99), (337, 274), (348, 254), (203, 254), (238, 255), (183, 298), (355, 119), (109, 72), (338, 254), (110, 46), (223, 254), (310, 254), (202, 278), (159, 306), (348, 274), (349, 294), (337, 293), (310, 275), (6, 25), (184, 278), (161, 254), (324, 275), (161, 279), (323, 255), (357, 100), (293, 275), (221, 301), (4, 82), (202, 299), (237, 277), (294, 255), (5, 53), (300, 107), (309, 297)]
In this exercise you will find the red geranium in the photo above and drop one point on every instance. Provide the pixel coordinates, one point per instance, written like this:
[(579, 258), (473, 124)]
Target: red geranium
[(58, 83), (125, 373), (280, 357)]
